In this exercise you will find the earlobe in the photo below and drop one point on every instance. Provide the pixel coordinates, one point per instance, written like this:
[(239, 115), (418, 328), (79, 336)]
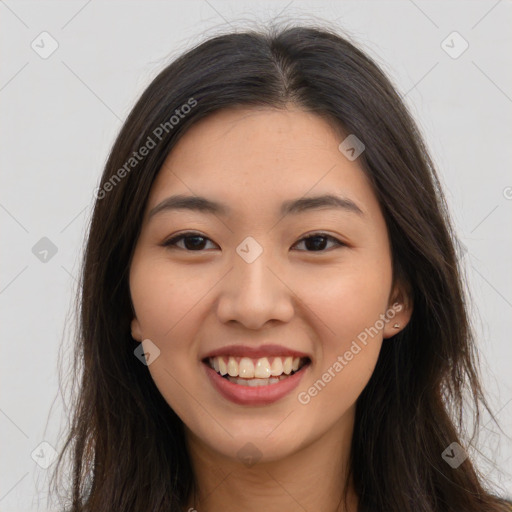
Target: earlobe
[(136, 330), (398, 314), (398, 317)]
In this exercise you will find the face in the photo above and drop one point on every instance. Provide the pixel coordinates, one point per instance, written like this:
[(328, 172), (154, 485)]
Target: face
[(289, 301)]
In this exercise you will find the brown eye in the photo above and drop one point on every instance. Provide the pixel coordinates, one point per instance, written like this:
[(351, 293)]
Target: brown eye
[(195, 242), (191, 242), (318, 241)]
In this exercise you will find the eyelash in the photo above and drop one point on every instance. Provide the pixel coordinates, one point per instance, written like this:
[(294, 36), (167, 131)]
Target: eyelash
[(172, 242)]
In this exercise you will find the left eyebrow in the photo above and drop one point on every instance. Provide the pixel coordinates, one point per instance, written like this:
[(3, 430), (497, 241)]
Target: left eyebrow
[(319, 202), (294, 206)]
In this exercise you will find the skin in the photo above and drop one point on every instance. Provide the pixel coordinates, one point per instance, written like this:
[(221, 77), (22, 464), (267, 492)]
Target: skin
[(190, 302)]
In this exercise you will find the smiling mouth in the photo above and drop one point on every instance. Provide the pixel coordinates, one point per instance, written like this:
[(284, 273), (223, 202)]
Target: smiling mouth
[(263, 371)]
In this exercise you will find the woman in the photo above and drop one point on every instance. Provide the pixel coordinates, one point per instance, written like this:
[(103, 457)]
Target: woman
[(272, 315)]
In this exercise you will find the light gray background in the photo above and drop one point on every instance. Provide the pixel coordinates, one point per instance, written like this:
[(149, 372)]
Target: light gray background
[(59, 117)]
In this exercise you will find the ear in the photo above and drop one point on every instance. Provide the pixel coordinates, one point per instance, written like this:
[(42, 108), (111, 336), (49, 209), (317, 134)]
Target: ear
[(136, 330), (399, 310)]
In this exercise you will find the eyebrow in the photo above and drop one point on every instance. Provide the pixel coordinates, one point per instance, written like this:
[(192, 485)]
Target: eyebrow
[(293, 206)]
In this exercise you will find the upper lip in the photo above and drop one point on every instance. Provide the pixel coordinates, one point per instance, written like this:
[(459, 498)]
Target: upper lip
[(255, 352)]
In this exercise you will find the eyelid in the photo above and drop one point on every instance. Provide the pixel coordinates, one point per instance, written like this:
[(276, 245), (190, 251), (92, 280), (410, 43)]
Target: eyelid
[(172, 241), (321, 234)]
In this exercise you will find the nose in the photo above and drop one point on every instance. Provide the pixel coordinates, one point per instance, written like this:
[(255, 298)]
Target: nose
[(254, 293)]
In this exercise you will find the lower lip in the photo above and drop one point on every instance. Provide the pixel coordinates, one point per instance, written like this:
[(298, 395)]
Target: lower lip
[(260, 395)]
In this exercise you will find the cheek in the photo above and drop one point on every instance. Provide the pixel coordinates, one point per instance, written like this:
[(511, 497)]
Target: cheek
[(347, 299), (349, 309), (163, 296), (352, 308), (166, 303)]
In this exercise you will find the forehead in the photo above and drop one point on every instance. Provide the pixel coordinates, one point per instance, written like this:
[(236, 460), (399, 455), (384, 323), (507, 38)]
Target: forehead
[(255, 158)]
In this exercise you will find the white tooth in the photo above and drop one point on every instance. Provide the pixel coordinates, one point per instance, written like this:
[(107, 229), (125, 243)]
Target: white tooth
[(223, 369), (253, 383), (262, 369), (232, 367), (287, 365), (215, 363), (295, 364), (246, 368), (277, 367)]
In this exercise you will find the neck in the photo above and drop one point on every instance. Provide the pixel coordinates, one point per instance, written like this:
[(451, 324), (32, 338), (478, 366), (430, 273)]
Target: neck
[(311, 478)]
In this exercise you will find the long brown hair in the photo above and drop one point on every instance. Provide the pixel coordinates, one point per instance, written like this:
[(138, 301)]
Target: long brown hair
[(126, 445)]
